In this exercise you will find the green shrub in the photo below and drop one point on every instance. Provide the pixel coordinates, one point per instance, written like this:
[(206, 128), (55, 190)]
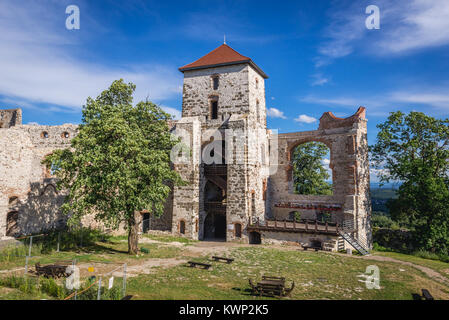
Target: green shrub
[(383, 221)]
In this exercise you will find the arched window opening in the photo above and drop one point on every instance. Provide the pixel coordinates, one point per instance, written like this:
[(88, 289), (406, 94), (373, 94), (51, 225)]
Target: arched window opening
[(65, 135), (310, 172), (44, 135)]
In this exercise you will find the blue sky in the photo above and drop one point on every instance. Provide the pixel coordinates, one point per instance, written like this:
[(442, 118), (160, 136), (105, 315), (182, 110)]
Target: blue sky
[(319, 55)]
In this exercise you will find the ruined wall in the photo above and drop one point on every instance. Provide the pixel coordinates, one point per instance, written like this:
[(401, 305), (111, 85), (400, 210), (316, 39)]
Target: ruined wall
[(347, 141), (25, 182), (10, 118)]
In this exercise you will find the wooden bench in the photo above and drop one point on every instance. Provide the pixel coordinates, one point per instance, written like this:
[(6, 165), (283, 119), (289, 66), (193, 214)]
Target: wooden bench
[(271, 286), (228, 260), (200, 264), (426, 294), (52, 270)]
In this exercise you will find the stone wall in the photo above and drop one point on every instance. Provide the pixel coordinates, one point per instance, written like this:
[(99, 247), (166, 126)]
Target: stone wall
[(26, 186), (347, 141), (10, 118)]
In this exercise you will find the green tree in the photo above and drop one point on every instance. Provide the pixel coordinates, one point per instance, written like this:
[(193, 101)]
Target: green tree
[(119, 162), (309, 174), (414, 149)]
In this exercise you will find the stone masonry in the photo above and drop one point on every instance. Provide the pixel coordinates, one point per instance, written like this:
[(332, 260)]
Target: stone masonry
[(239, 173)]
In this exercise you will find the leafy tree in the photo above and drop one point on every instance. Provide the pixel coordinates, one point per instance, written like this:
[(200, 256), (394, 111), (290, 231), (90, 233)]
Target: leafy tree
[(309, 174), (414, 149), (119, 162)]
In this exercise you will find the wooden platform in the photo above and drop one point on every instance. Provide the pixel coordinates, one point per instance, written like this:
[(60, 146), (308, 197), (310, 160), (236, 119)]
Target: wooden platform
[(293, 226)]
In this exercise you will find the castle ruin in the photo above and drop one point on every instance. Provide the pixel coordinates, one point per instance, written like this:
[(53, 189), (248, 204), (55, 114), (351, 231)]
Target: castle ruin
[(239, 173)]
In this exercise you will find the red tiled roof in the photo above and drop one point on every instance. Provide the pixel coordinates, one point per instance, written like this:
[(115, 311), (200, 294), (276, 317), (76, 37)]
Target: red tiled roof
[(223, 55)]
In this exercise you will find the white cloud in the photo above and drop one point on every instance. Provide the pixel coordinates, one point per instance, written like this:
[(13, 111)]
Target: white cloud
[(405, 26), (275, 113), (381, 105), (37, 63), (175, 112), (305, 119), (319, 79)]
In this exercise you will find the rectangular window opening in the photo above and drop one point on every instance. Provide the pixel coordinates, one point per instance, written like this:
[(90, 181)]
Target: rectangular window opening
[(214, 109)]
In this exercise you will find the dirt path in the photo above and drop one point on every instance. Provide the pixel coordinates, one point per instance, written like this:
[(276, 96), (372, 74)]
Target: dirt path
[(428, 271)]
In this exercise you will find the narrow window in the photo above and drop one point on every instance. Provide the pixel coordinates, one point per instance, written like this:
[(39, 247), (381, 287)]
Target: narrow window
[(214, 109), (238, 230), (182, 227), (257, 83), (257, 110), (215, 82)]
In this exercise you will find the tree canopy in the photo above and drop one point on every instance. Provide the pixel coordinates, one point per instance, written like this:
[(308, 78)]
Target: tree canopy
[(118, 163), (414, 150), (309, 174)]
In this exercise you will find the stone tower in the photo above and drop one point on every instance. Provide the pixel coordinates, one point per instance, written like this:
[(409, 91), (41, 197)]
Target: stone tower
[(224, 124)]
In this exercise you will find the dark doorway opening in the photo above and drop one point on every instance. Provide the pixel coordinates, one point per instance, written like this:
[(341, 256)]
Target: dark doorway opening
[(254, 238), (315, 243), (215, 226), (238, 230), (146, 222)]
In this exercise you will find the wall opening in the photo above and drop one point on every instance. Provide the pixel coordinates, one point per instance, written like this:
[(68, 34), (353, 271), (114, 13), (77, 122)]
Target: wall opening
[(146, 222), (215, 226), (310, 172), (182, 227), (215, 82), (238, 230), (214, 109), (44, 135), (254, 238), (12, 226)]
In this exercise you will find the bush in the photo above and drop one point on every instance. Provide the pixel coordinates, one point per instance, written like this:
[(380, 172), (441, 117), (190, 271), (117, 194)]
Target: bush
[(395, 240), (383, 221), (430, 255)]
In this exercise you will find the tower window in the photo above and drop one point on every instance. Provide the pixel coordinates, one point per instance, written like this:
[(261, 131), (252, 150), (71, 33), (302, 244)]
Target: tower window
[(214, 109), (215, 82), (257, 83)]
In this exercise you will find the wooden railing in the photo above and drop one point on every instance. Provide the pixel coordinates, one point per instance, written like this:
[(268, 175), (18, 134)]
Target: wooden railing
[(312, 226)]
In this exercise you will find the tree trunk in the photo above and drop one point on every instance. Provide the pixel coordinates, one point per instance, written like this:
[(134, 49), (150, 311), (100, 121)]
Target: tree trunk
[(133, 236)]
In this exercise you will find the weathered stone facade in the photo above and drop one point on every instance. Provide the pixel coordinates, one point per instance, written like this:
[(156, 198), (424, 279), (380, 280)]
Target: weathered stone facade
[(238, 172)]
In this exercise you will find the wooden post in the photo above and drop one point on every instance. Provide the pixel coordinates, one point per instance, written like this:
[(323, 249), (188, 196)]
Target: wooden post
[(307, 225), (285, 223), (275, 223), (294, 223), (326, 227), (316, 225)]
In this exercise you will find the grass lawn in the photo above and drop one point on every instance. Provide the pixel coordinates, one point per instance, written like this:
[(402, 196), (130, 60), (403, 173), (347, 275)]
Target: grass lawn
[(317, 275), (440, 266)]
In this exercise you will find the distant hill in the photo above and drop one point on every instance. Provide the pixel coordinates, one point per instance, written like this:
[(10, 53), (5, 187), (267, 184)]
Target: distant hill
[(380, 197)]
